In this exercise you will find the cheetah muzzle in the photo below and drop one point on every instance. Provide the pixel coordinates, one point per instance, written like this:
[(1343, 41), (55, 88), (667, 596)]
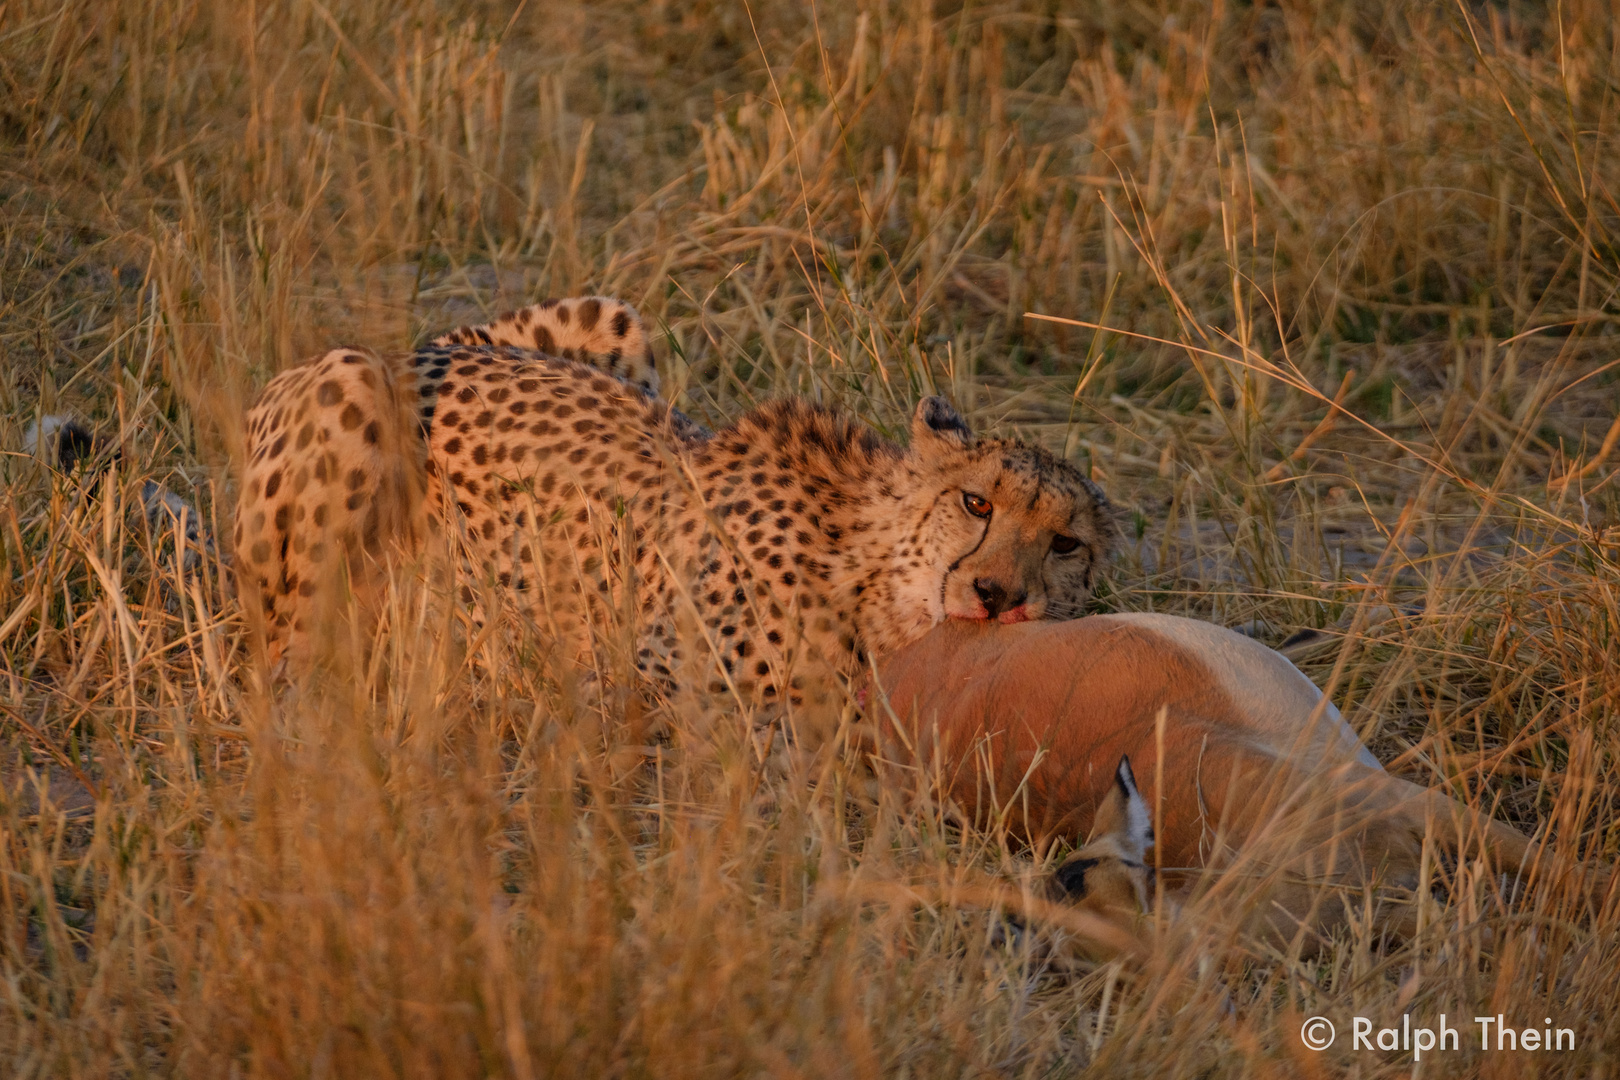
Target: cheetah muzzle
[(794, 542)]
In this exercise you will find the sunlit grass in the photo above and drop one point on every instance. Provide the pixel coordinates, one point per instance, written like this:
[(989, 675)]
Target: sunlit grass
[(437, 861)]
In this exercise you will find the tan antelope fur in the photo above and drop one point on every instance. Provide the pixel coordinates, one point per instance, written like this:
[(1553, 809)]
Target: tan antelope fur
[(1111, 875), (1246, 747)]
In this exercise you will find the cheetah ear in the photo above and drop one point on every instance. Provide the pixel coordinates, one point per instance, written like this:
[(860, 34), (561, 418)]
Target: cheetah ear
[(937, 424)]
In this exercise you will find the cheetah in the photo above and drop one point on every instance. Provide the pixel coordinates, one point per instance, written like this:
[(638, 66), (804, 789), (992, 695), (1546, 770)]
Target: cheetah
[(795, 542)]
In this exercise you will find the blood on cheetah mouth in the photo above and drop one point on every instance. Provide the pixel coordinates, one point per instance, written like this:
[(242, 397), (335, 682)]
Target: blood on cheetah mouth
[(1016, 615)]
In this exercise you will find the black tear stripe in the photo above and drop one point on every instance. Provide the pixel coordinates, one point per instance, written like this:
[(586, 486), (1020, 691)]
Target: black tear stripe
[(951, 569)]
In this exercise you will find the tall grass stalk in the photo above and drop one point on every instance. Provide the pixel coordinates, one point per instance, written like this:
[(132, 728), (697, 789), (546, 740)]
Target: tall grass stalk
[(1332, 303)]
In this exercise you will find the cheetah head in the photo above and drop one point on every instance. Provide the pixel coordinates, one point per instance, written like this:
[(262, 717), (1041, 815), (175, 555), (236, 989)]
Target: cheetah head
[(995, 528)]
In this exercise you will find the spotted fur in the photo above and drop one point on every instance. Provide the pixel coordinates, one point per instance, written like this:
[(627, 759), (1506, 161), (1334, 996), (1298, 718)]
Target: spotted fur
[(595, 330), (792, 542)]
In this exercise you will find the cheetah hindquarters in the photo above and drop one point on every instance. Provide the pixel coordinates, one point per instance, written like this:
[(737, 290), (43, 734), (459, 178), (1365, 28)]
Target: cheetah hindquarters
[(336, 475)]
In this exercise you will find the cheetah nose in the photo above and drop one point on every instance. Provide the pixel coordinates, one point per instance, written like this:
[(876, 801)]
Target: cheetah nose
[(996, 598)]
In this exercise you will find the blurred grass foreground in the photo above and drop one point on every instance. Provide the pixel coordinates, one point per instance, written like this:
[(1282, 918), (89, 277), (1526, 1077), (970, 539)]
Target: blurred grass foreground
[(437, 863)]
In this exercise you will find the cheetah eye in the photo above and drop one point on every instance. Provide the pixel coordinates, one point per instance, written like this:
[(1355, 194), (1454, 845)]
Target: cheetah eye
[(977, 505), (1064, 545)]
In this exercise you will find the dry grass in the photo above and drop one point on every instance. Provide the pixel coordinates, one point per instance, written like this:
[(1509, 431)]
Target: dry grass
[(439, 868)]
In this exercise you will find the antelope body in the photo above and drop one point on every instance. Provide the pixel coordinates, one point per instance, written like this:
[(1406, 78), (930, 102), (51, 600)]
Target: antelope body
[(1236, 752)]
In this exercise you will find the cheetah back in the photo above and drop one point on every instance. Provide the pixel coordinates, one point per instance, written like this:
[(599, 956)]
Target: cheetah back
[(596, 330)]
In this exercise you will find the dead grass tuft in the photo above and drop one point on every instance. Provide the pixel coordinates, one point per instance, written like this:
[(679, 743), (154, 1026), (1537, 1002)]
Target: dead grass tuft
[(1357, 265)]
